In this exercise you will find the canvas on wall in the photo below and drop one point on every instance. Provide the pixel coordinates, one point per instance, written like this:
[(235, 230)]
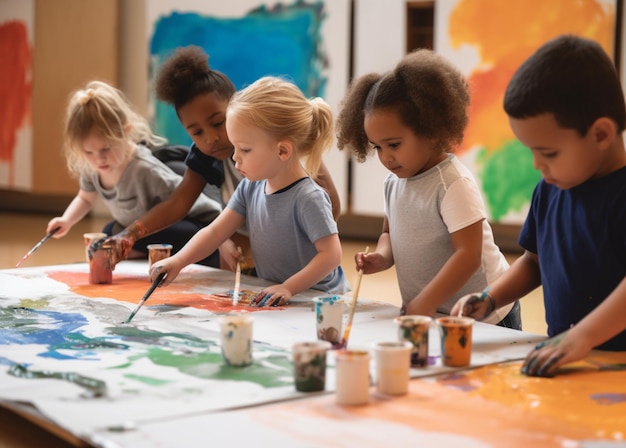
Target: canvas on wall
[(17, 19), (488, 40), (305, 41)]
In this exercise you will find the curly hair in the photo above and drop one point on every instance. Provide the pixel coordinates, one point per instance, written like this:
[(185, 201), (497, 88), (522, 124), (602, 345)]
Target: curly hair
[(187, 74), (280, 108), (429, 94)]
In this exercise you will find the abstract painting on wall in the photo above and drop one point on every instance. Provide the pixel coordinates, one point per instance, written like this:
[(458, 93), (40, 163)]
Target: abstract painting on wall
[(16, 47), (488, 40)]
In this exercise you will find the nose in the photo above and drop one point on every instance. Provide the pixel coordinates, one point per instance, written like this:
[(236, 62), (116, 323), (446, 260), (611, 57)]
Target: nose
[(212, 138)]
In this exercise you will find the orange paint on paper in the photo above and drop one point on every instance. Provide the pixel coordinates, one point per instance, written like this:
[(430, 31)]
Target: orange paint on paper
[(129, 288), (15, 86)]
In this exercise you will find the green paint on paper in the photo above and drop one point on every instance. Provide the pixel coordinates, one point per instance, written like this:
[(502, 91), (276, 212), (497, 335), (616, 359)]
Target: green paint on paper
[(78, 341), (508, 178), (36, 304), (94, 387), (147, 380)]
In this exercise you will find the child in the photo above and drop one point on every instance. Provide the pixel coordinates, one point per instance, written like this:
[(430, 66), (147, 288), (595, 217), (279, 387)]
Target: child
[(435, 229), (200, 96), (103, 149), (292, 231), (565, 103)]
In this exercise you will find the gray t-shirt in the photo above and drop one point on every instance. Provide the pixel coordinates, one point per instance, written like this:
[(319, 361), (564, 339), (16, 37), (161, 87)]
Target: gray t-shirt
[(423, 211), (283, 228), (145, 182)]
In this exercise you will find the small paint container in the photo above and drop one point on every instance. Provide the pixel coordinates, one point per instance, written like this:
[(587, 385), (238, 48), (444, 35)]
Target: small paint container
[(414, 328), (236, 339), (352, 372), (456, 340), (100, 266), (90, 238), (309, 365), (329, 318), (158, 252), (393, 365)]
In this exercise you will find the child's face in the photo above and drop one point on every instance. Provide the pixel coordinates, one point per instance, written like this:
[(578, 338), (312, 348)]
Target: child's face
[(203, 118), (563, 157), (399, 149), (256, 152), (104, 156)]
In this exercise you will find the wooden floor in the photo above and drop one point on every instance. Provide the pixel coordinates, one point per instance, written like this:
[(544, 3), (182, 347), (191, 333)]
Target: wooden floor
[(21, 231)]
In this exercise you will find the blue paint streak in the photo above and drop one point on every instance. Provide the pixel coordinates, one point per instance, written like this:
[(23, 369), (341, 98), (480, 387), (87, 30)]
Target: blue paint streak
[(285, 41)]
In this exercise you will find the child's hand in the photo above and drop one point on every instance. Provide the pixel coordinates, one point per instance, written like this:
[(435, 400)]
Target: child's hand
[(276, 295), (552, 353), (370, 262), (58, 222), (168, 266), (477, 305), (121, 244), (229, 254)]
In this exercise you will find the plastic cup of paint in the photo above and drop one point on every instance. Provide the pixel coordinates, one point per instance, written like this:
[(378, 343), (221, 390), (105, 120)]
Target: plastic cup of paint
[(414, 328), (90, 238), (236, 339), (352, 373), (329, 318), (393, 365), (456, 340), (309, 365), (100, 266), (158, 252)]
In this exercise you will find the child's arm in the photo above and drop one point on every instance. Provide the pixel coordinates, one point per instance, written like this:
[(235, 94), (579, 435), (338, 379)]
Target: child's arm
[(381, 258), (78, 208), (328, 258), (200, 246), (604, 322), (325, 181), (521, 278), (465, 260)]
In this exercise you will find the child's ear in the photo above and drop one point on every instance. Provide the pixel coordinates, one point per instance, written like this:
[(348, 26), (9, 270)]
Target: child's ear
[(285, 149), (603, 132)]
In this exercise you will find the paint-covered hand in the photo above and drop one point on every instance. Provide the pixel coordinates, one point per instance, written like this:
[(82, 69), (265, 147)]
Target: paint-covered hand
[(549, 355), (276, 295), (167, 266), (371, 262), (477, 305), (123, 242)]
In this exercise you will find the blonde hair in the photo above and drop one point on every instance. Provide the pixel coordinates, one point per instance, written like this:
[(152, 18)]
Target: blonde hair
[(102, 110), (280, 108)]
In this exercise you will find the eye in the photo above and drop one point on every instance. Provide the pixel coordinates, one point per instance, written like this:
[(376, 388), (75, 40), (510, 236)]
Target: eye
[(219, 124), (394, 145)]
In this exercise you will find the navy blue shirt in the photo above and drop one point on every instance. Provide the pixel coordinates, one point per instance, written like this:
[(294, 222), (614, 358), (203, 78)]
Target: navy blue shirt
[(210, 168), (579, 236)]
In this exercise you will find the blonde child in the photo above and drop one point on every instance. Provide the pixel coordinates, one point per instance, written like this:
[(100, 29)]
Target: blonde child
[(105, 148), (200, 96), (292, 231), (435, 229), (566, 104)]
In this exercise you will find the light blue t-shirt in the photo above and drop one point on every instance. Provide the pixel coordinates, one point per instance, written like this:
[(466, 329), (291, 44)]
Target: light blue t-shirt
[(283, 228)]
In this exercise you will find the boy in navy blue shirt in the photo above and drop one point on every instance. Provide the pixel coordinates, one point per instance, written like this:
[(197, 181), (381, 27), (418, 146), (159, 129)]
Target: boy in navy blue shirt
[(565, 103)]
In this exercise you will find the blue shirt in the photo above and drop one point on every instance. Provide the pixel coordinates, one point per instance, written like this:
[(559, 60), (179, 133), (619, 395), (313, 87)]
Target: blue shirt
[(579, 236)]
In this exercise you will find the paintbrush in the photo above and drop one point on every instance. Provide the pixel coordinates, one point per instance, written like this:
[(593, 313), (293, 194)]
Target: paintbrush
[(237, 279), (343, 344), (38, 245), (157, 281)]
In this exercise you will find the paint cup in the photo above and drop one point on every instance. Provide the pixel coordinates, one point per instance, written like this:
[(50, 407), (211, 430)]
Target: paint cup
[(236, 338), (414, 328), (352, 373), (309, 365), (393, 364), (100, 266), (158, 252), (90, 238), (329, 318), (456, 340)]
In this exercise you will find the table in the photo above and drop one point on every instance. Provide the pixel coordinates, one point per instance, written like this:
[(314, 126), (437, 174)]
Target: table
[(105, 383)]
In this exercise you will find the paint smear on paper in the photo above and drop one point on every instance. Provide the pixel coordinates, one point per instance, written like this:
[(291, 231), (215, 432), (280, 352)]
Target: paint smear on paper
[(287, 42), (15, 87), (508, 177)]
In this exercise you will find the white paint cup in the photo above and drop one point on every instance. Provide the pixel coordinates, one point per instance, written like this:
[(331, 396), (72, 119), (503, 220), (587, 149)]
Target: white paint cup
[(352, 372), (329, 318), (309, 365), (90, 238), (393, 363), (236, 338), (158, 252)]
